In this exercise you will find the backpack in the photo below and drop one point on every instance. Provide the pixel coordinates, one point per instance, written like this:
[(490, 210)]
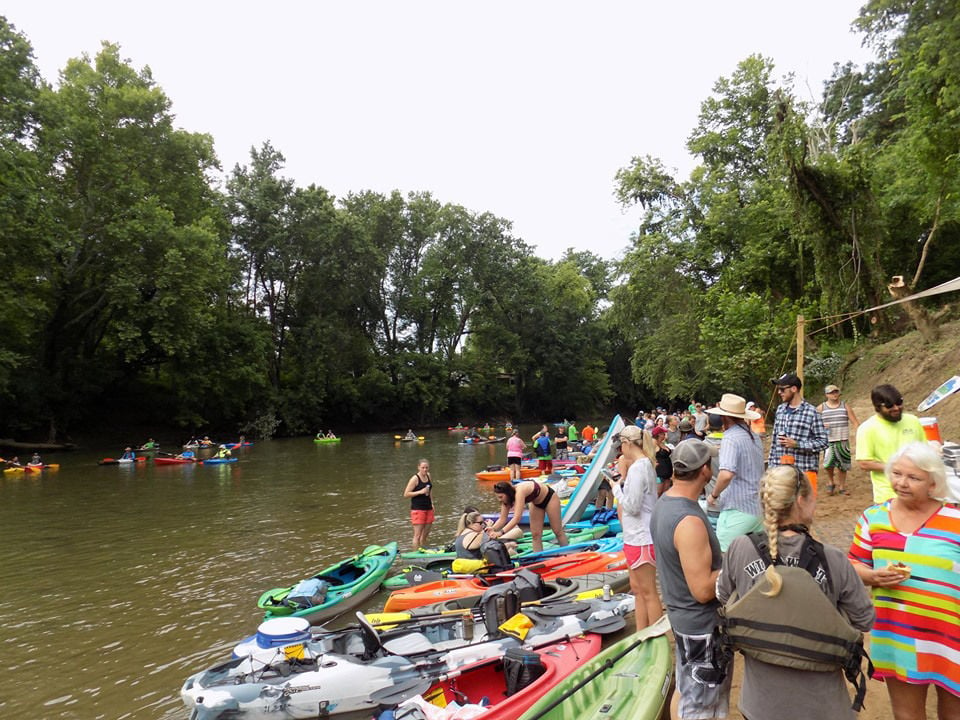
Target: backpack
[(543, 446), (501, 602), (496, 555), (798, 628)]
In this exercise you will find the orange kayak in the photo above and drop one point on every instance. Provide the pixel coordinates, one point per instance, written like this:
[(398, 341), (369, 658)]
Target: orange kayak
[(562, 566), (504, 474)]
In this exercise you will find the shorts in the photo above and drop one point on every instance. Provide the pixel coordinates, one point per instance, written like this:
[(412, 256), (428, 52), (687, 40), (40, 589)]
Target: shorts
[(703, 684), (734, 523), (514, 460), (837, 455), (638, 555), (421, 517)]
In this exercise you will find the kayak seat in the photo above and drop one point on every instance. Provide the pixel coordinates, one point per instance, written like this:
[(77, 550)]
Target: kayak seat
[(371, 638), (408, 644)]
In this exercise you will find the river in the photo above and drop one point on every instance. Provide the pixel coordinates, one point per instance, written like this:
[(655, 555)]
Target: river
[(119, 581)]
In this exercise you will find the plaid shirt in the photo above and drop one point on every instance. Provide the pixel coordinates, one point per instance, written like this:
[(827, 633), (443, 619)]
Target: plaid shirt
[(805, 425)]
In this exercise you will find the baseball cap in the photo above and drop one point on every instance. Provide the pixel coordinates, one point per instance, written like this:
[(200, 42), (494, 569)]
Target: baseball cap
[(788, 380), (692, 455), (830, 389)]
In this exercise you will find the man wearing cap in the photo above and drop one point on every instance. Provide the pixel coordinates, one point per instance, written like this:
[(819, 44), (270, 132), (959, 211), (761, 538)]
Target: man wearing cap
[(736, 493), (881, 435), (838, 418), (798, 429), (688, 563)]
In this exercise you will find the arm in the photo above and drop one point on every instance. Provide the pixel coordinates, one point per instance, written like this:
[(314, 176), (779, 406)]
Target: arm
[(877, 577), (500, 521), (409, 491), (693, 546), (472, 539), (724, 478), (852, 417), (518, 507)]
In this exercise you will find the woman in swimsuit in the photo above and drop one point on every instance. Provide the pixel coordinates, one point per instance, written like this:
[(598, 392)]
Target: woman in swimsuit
[(541, 501)]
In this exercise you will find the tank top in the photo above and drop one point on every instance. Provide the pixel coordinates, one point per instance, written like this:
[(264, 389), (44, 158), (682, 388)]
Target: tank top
[(422, 502), (837, 422)]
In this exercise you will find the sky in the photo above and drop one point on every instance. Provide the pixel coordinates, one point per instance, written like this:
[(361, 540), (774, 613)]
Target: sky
[(525, 109)]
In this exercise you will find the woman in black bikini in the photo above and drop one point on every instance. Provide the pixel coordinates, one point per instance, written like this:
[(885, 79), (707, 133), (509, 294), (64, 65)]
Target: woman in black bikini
[(543, 503)]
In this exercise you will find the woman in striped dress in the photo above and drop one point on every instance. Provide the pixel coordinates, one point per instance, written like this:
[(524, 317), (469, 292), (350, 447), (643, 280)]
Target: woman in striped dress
[(907, 550)]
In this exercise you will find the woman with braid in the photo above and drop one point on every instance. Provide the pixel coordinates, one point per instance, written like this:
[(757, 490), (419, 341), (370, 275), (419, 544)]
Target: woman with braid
[(788, 503)]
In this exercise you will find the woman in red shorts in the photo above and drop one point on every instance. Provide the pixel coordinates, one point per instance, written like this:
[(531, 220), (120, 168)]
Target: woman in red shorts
[(419, 490)]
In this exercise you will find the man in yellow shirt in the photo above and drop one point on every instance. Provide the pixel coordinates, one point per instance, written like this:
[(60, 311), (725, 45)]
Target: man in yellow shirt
[(879, 437)]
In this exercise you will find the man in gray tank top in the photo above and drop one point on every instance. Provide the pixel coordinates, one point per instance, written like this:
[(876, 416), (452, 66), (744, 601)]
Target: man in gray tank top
[(688, 562)]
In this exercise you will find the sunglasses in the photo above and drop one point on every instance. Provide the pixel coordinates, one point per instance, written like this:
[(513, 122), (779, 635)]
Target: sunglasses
[(896, 403), (783, 389)]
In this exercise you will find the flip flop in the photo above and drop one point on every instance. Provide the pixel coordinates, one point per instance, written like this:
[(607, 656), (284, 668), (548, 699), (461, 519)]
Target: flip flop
[(830, 489)]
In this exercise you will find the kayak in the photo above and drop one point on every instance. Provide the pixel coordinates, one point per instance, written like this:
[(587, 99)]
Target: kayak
[(578, 534), (503, 474), (586, 490), (499, 685), (525, 517), (235, 445), (629, 679), (326, 440), (292, 672), (564, 566), (13, 471), (173, 461), (121, 461), (333, 590), (399, 438), (482, 441), (30, 467), (217, 460)]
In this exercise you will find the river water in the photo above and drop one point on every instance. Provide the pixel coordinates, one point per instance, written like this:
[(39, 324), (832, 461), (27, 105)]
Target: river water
[(118, 582)]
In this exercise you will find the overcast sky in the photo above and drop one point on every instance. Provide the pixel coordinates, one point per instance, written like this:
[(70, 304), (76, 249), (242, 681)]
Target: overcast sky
[(525, 109)]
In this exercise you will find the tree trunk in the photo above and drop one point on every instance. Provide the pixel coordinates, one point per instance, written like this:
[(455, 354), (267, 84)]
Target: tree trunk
[(918, 315)]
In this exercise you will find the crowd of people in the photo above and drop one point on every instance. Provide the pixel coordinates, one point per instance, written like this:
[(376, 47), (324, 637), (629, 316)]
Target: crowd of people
[(714, 502)]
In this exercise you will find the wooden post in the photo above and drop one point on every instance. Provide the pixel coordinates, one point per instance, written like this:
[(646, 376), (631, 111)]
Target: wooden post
[(800, 333)]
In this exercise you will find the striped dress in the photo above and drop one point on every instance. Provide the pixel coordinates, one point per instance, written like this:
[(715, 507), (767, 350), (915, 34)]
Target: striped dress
[(916, 637)]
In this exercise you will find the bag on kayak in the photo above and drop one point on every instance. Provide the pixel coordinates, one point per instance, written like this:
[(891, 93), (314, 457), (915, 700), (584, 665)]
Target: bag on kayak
[(520, 668), (604, 516), (799, 627), (496, 555), (501, 602), (308, 593)]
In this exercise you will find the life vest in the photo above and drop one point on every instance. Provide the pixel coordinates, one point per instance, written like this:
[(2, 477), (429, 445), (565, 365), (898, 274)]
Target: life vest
[(799, 627)]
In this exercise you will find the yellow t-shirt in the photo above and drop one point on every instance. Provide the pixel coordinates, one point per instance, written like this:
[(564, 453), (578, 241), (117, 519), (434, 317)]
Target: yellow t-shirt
[(878, 439)]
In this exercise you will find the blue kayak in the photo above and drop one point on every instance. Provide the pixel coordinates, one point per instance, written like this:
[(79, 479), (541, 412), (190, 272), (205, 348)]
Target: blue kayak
[(218, 461)]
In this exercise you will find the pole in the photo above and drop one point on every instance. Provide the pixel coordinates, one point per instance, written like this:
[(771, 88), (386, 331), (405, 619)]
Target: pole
[(800, 334)]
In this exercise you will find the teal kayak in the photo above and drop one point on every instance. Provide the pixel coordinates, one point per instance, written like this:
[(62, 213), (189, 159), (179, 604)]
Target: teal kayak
[(629, 679), (524, 544), (218, 460), (334, 590)]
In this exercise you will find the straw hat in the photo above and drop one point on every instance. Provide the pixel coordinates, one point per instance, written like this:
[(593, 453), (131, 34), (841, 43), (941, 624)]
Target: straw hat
[(733, 406)]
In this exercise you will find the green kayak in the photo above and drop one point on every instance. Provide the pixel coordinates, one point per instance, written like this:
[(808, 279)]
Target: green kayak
[(326, 440), (332, 591), (629, 679)]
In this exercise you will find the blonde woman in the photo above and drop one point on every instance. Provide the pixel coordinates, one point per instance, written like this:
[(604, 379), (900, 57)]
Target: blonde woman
[(788, 502), (636, 491)]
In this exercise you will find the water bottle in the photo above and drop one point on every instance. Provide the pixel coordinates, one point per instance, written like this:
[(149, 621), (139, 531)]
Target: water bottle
[(468, 627), (607, 592)]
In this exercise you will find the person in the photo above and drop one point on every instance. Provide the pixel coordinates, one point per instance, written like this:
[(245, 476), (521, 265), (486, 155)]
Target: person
[(758, 426), (687, 430), (541, 446), (789, 502), (587, 434), (14, 461), (473, 531), (541, 502), (700, 421), (635, 488), (688, 563), (882, 434), (128, 454), (150, 444), (560, 443), (736, 493), (572, 434), (662, 458), (420, 491), (798, 429), (839, 418), (673, 431), (223, 452), (411, 435), (330, 434), (206, 442), (36, 460), (907, 550), (515, 448)]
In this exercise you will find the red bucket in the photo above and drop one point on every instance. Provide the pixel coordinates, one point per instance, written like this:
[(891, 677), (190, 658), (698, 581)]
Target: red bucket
[(931, 429)]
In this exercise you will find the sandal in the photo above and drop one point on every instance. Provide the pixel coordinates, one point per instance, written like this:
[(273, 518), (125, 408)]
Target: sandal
[(829, 489)]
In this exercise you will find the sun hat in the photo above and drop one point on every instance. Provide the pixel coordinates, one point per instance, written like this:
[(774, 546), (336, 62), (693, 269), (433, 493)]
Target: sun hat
[(788, 380), (692, 455), (733, 406), (686, 426), (830, 389)]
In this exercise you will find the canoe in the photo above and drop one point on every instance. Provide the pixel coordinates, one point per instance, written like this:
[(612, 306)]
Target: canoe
[(326, 440), (217, 460), (564, 566), (503, 474), (629, 679), (499, 684), (173, 461), (357, 669), (345, 585)]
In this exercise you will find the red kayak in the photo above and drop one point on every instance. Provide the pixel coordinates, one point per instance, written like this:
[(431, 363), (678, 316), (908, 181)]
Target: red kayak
[(173, 461), (120, 461), (562, 566), (492, 679)]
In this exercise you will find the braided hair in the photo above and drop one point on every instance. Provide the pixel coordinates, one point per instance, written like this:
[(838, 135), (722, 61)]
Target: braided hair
[(780, 487)]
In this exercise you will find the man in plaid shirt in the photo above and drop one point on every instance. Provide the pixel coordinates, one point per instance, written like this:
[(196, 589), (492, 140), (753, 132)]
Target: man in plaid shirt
[(798, 429)]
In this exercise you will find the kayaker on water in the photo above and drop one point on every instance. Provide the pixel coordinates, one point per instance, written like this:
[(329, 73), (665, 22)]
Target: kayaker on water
[(128, 454), (410, 435), (543, 503), (419, 489), (223, 452), (35, 460), (150, 444)]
